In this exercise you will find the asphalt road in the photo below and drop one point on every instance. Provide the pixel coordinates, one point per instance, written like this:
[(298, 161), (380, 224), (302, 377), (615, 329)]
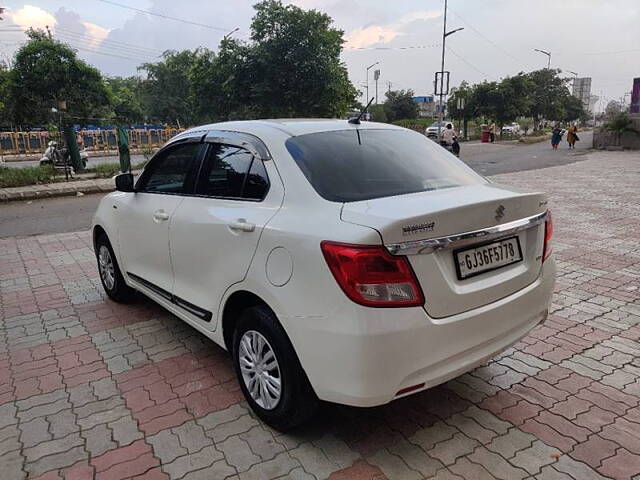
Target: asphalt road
[(70, 214), (492, 159)]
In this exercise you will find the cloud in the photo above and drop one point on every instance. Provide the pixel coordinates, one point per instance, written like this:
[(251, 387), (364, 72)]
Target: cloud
[(95, 33), (30, 16), (364, 37), (374, 34)]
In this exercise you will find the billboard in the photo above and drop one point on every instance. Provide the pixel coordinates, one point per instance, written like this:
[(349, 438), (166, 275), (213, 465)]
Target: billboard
[(635, 96), (582, 90)]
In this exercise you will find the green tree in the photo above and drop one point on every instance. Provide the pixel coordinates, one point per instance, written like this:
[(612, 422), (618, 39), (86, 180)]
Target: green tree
[(166, 91), (295, 63), (573, 109), (46, 72), (378, 113), (613, 109), (511, 99), (619, 124), (464, 92), (400, 105), (290, 68), (4, 88), (526, 123), (547, 94), (222, 83), (125, 92)]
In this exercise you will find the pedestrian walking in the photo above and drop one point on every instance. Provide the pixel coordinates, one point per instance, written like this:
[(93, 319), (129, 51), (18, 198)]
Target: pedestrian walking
[(572, 136), (492, 133), (556, 137)]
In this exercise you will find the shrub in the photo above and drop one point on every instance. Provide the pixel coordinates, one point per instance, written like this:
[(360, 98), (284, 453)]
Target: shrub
[(106, 170), (19, 177)]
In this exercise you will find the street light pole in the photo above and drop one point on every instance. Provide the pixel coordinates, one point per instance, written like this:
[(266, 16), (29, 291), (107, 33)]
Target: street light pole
[(548, 54), (231, 33), (575, 78), (445, 34), (369, 68)]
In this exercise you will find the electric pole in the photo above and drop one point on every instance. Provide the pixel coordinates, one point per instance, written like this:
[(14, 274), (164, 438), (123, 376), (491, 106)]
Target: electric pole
[(442, 93)]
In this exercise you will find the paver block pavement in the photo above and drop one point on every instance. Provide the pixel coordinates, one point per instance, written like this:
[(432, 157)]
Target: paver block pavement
[(93, 389)]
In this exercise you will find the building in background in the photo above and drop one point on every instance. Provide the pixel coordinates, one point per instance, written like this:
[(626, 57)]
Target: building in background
[(582, 90), (635, 96), (426, 106)]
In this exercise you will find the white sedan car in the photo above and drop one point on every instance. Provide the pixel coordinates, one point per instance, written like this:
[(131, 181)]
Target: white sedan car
[(337, 261)]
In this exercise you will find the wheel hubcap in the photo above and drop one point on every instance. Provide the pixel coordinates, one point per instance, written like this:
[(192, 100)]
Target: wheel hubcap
[(105, 264), (260, 370)]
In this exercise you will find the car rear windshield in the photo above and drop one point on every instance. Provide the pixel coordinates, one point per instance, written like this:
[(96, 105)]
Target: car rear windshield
[(361, 164)]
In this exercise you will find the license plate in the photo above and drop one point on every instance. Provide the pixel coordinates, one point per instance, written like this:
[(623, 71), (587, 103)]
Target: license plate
[(477, 260)]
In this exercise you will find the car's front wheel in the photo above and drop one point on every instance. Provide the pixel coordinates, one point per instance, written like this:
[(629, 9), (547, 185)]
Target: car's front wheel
[(110, 274), (269, 372)]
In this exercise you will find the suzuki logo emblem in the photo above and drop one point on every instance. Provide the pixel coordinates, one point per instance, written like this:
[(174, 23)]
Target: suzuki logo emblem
[(499, 213)]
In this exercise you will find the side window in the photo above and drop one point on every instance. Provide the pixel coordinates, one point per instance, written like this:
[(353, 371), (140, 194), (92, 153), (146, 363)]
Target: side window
[(224, 171), (172, 172), (257, 182)]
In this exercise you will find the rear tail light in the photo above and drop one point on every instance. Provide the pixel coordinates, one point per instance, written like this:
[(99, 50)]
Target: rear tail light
[(548, 233), (371, 276)]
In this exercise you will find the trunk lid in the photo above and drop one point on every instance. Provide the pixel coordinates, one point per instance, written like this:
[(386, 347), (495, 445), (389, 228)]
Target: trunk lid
[(452, 211)]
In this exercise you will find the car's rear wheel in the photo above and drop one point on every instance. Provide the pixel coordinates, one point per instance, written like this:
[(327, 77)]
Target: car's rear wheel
[(269, 372), (110, 274)]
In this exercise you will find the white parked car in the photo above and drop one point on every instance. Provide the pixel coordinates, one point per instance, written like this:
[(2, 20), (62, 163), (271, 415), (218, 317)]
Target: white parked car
[(432, 130), (512, 128), (352, 263)]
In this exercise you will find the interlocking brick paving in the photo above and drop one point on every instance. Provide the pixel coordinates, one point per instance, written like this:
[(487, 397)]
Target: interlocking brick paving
[(92, 389)]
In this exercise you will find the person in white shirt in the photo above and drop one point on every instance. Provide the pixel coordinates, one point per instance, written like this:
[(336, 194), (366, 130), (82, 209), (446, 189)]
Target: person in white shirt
[(449, 134), (450, 139)]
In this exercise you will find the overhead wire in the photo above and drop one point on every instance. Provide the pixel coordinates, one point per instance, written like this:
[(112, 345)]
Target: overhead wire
[(460, 57), (83, 42), (107, 43), (410, 47), (167, 17), (487, 39), (110, 41), (87, 43)]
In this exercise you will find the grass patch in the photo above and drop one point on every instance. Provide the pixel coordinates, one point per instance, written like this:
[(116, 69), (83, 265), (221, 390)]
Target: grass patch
[(107, 170), (19, 177), (414, 122), (536, 139)]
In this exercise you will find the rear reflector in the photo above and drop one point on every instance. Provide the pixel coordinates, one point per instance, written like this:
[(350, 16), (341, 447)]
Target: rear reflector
[(548, 233), (371, 276), (410, 389)]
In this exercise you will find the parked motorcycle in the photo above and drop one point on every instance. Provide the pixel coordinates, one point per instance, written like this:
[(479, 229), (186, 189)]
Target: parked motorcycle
[(60, 158)]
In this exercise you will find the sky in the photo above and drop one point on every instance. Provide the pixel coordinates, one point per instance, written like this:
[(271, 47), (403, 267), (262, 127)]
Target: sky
[(594, 38)]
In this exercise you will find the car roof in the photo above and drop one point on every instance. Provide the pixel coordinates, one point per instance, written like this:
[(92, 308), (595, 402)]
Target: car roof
[(292, 127)]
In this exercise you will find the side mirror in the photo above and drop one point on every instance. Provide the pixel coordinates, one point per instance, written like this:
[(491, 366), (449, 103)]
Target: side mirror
[(124, 182)]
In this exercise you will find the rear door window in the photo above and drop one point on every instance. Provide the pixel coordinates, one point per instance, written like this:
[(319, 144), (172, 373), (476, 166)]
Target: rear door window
[(232, 172), (353, 165)]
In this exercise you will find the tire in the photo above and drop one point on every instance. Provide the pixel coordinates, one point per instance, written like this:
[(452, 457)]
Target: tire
[(111, 278), (297, 401)]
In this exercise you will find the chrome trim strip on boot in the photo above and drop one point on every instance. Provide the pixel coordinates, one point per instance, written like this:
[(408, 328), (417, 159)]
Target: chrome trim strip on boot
[(429, 245)]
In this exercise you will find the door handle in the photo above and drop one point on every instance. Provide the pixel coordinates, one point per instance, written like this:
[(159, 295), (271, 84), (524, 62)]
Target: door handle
[(242, 225), (160, 216)]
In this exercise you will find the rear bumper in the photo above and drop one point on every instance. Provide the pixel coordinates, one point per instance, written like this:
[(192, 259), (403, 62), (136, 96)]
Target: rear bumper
[(365, 357)]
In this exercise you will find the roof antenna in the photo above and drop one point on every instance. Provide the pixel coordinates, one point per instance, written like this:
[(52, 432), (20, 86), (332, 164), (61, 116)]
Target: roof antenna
[(356, 121)]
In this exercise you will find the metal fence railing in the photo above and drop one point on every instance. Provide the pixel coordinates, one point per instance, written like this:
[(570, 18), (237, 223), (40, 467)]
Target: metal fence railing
[(31, 143)]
